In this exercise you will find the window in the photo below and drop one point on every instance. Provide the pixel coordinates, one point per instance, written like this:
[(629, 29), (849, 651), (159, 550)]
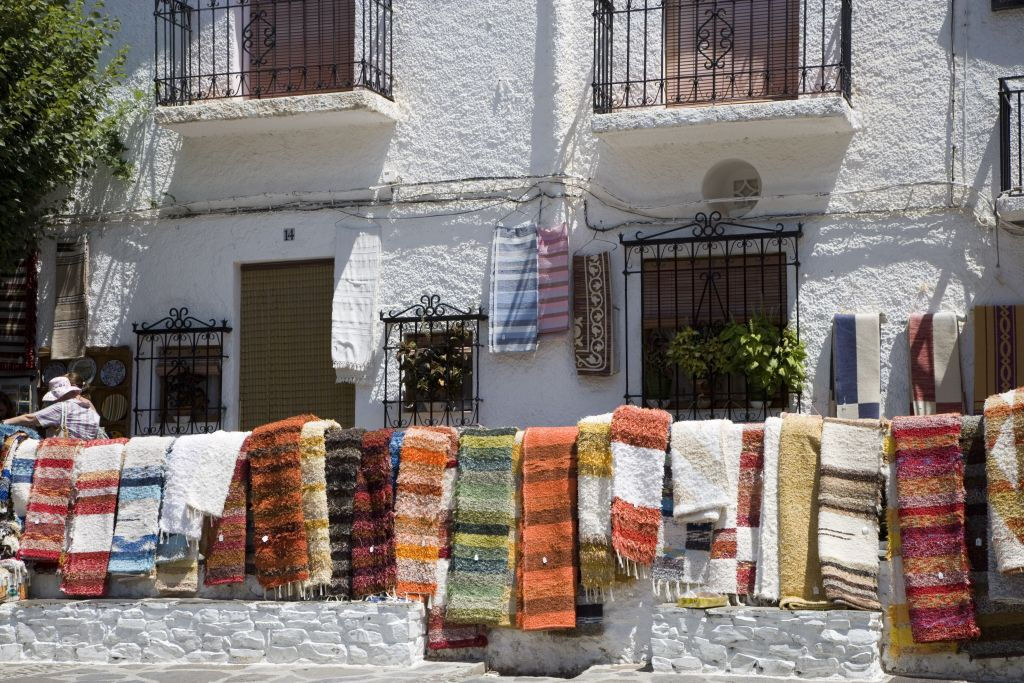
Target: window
[(285, 364)]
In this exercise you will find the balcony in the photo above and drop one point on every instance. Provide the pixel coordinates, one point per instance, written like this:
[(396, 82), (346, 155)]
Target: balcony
[(711, 70), (242, 66), (1011, 149)]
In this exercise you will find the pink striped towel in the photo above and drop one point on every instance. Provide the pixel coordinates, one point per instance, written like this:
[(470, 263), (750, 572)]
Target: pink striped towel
[(935, 363), (553, 272)]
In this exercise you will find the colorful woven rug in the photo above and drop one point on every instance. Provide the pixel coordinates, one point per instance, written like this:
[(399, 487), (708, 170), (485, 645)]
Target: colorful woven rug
[(312, 453), (514, 290), (799, 568), (998, 353), (766, 581), (516, 604), (133, 548), (225, 556), (639, 443), (549, 493), (594, 496), (344, 453), (856, 366), (593, 315), (95, 478), (480, 576), (395, 449), (419, 514), (1004, 448), (8, 447), (45, 520), (930, 484), (723, 565), (698, 471), (748, 508), (935, 382), (275, 473), (22, 468), (18, 288), (553, 279), (849, 500), (373, 521)]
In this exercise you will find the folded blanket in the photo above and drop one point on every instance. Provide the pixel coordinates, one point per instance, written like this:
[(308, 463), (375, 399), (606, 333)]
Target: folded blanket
[(799, 567), (997, 364), (593, 315), (848, 505), (198, 473), (373, 521), (225, 556), (354, 305), (594, 496), (1004, 448), (133, 547), (930, 485), (312, 452), (480, 576), (553, 279), (935, 381), (766, 581), (639, 442), (22, 468), (723, 565), (549, 492), (344, 453), (698, 471), (514, 290), (45, 520), (856, 366), (275, 473), (418, 510)]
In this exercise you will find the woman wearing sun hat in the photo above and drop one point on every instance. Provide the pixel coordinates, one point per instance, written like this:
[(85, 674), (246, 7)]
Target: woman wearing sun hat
[(67, 415)]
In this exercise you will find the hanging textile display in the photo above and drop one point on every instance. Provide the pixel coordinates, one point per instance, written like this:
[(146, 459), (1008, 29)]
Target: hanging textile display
[(668, 573), (700, 482), (639, 442), (1004, 448), (45, 520), (225, 556), (177, 567), (480, 577), (766, 581), (275, 473), (799, 567), (593, 315), (549, 498), (71, 308), (344, 454), (18, 288), (354, 322), (856, 366), (22, 468), (594, 502), (553, 279), (514, 290), (515, 608), (373, 524), (133, 548), (312, 454), (929, 480), (95, 479), (935, 382), (395, 450), (723, 565), (418, 510), (849, 501), (8, 447), (748, 507), (998, 598), (998, 354)]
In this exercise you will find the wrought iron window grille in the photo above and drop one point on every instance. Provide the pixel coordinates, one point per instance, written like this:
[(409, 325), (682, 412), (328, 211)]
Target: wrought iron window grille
[(212, 49), (685, 52), (703, 275), (1011, 135), (179, 362), (432, 364)]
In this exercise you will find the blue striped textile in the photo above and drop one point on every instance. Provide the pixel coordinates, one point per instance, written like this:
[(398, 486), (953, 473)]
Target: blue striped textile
[(514, 290), (856, 366), (395, 450), (133, 549)]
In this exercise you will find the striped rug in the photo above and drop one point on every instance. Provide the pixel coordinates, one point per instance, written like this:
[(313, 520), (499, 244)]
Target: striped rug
[(935, 381), (1004, 449), (22, 468), (514, 290), (418, 511), (594, 496), (225, 556), (930, 485), (46, 518), (373, 521), (18, 315), (344, 453), (856, 366), (133, 548), (748, 507), (549, 493), (723, 564), (312, 453), (553, 279), (95, 480)]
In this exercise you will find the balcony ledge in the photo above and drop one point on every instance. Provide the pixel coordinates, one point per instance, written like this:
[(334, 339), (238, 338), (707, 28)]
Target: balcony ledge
[(238, 116), (803, 117), (1011, 208)]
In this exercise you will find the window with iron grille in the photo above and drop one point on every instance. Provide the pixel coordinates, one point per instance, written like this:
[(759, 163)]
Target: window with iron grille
[(700, 277)]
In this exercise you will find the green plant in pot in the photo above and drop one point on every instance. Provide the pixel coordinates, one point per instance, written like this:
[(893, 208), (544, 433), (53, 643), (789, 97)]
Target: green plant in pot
[(771, 358), (699, 355), (434, 366)]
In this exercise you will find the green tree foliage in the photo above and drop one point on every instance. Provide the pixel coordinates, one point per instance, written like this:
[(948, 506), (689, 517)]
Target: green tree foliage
[(57, 118)]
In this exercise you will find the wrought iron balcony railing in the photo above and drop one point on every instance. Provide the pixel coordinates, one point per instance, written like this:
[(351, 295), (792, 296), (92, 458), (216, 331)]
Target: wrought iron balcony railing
[(212, 49), (1011, 135), (700, 52)]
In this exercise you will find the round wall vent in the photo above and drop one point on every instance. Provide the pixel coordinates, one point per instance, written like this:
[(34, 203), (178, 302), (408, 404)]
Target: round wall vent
[(727, 182)]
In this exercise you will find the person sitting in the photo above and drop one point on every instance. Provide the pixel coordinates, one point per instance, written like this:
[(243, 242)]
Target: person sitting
[(68, 415)]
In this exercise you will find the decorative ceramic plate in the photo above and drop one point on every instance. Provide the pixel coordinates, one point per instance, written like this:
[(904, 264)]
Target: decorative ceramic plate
[(86, 369), (114, 434), (114, 408), (112, 373), (54, 369)]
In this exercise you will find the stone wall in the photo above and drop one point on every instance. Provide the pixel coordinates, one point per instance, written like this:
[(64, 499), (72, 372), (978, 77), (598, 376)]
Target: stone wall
[(212, 631), (767, 641)]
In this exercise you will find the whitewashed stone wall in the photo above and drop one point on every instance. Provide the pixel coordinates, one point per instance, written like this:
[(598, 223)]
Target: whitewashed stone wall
[(767, 641), (209, 631)]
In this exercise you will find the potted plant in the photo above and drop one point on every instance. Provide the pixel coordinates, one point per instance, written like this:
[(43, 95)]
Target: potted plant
[(435, 368), (699, 355), (771, 358)]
